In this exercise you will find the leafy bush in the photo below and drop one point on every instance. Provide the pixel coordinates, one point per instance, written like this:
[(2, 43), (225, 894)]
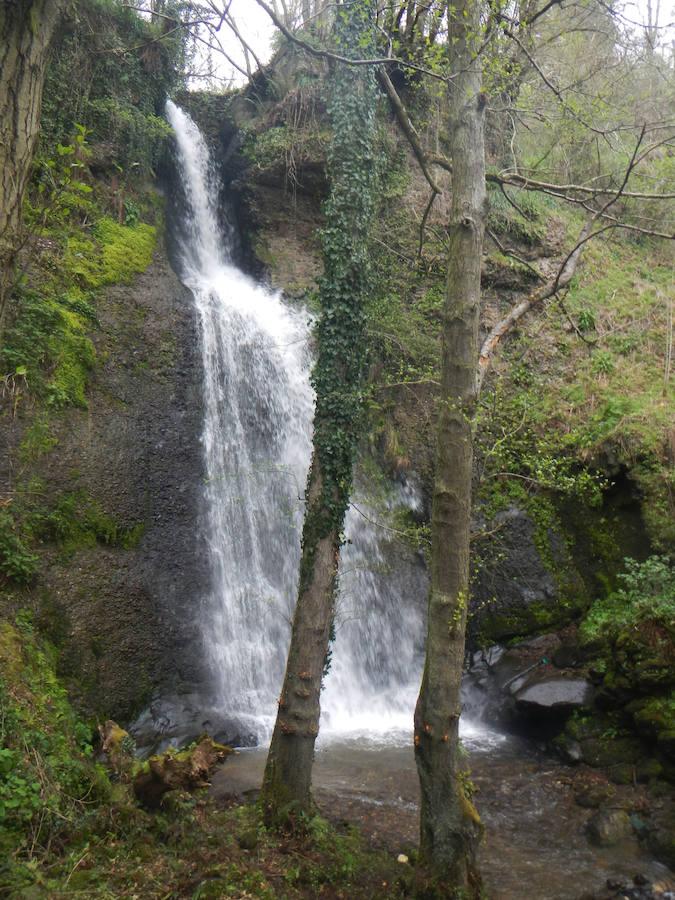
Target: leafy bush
[(647, 592), (126, 67), (47, 779), (17, 563), (48, 345), (77, 520)]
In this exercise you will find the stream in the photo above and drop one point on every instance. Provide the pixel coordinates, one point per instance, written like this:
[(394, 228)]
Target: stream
[(534, 843)]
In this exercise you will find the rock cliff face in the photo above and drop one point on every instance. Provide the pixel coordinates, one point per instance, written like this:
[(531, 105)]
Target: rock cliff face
[(128, 617)]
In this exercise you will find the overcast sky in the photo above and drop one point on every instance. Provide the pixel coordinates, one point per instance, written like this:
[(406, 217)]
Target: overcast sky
[(257, 29)]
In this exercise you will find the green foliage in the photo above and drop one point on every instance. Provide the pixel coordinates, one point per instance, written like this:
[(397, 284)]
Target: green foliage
[(338, 375), (524, 219), (37, 440), (47, 779), (514, 449), (77, 520), (17, 563), (111, 70), (74, 521), (48, 344), (647, 592)]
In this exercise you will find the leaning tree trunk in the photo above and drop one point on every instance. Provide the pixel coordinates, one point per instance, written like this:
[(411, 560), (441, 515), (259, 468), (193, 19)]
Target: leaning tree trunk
[(450, 826), (26, 29), (338, 381)]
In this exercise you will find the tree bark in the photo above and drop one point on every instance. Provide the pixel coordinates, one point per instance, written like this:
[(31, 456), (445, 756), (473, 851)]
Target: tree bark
[(26, 30), (288, 773), (450, 827)]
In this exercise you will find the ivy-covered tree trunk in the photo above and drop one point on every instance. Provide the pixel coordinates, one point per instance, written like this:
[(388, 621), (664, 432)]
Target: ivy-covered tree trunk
[(26, 30), (338, 381), (450, 827)]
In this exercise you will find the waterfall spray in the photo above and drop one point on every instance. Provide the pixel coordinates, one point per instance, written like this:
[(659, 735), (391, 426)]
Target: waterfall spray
[(257, 426)]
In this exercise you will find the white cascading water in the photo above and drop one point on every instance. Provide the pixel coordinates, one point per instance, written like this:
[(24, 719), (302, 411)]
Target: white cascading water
[(258, 412)]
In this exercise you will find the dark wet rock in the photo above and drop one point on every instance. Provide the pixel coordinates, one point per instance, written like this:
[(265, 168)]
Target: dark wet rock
[(127, 615), (553, 693), (568, 656), (520, 689), (623, 890), (572, 752), (520, 589), (176, 721), (660, 837), (608, 827)]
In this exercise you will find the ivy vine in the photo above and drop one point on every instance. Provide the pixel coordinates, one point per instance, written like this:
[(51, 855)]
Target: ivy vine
[(339, 373)]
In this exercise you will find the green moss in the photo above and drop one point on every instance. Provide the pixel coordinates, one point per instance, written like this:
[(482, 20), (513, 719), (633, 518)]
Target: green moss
[(77, 521), (37, 440), (127, 251), (655, 716), (526, 620), (524, 220), (47, 345)]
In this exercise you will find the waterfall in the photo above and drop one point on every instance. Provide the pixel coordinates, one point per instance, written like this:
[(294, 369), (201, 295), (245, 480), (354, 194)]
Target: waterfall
[(258, 407)]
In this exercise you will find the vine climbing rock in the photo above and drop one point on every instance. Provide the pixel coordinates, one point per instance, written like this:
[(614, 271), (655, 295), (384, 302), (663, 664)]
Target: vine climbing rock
[(186, 770)]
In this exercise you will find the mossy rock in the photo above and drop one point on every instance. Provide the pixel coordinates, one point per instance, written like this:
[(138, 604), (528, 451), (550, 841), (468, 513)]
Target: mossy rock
[(655, 717), (622, 773), (592, 791), (608, 827), (648, 769), (645, 655), (606, 752)]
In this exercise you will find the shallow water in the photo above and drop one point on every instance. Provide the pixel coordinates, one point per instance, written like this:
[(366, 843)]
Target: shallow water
[(534, 844)]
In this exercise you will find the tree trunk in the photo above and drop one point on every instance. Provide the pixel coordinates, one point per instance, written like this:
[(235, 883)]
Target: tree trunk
[(288, 773), (338, 380), (450, 827), (26, 29)]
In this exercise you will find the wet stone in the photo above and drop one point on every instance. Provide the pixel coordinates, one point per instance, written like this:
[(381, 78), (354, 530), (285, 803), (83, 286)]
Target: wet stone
[(609, 827)]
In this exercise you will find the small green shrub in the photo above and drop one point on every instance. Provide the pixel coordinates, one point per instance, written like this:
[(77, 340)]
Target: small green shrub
[(17, 563), (47, 779), (47, 342), (77, 520), (647, 592)]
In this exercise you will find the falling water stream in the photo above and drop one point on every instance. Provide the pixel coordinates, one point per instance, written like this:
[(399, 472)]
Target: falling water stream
[(257, 427), (258, 407)]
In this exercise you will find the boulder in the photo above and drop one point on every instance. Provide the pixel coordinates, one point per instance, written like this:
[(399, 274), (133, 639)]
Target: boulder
[(553, 693), (178, 720), (608, 827)]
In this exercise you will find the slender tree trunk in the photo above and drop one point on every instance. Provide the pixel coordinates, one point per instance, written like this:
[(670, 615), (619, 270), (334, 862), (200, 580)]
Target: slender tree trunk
[(450, 826), (288, 774), (338, 380), (26, 29)]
